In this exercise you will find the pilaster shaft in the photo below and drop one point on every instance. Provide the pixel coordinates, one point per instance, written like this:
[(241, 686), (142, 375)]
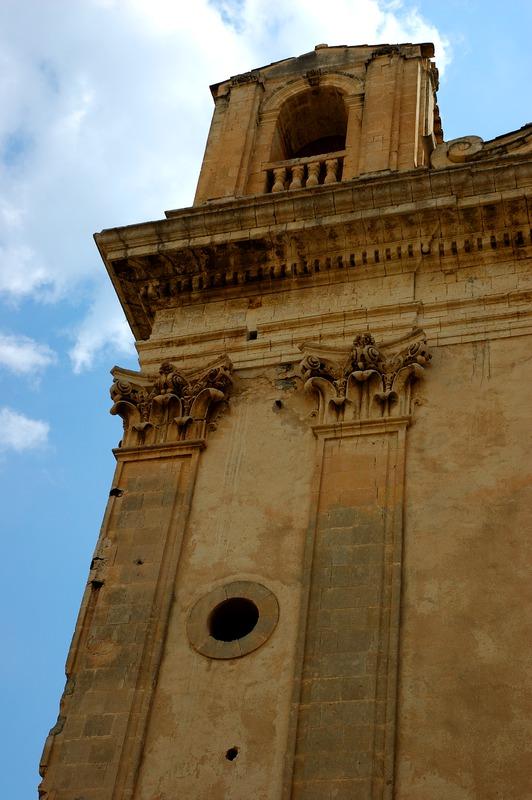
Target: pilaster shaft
[(344, 711), (96, 746)]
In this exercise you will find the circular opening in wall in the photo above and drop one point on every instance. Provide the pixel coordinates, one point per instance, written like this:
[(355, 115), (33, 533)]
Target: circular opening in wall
[(233, 619), (231, 753)]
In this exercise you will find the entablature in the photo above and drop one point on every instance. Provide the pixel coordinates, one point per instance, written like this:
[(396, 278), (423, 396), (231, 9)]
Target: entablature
[(265, 241), (446, 322)]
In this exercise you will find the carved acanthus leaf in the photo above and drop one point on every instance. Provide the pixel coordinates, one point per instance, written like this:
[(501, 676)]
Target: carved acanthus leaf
[(368, 381), (170, 406)]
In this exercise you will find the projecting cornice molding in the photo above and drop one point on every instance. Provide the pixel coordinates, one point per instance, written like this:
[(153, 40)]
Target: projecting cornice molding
[(170, 407), (367, 382), (252, 243)]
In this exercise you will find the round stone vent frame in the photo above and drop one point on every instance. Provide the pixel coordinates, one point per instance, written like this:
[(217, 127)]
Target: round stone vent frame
[(199, 618)]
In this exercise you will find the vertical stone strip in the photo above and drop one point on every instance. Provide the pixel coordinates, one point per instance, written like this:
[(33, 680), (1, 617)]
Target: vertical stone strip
[(355, 106), (96, 746), (95, 749), (155, 636), (345, 703), (341, 741), (378, 121)]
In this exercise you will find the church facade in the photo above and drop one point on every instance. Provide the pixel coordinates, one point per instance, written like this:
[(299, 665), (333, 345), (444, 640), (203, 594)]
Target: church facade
[(313, 575)]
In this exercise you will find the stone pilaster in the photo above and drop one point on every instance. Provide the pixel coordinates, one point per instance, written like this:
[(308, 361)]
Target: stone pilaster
[(343, 720), (95, 748)]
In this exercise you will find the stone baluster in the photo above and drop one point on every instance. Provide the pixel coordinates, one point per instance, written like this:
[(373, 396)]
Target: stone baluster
[(331, 165), (297, 176), (279, 176), (313, 178)]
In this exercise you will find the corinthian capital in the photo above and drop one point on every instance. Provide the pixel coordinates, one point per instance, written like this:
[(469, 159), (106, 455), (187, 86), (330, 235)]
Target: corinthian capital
[(369, 381), (171, 405)]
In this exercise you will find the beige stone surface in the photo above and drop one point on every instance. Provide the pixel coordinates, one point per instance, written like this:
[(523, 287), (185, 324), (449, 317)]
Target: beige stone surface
[(245, 524), (465, 710), (373, 102), (331, 421)]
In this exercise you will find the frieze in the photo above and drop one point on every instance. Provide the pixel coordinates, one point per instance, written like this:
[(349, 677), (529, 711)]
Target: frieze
[(245, 77), (367, 382), (170, 406), (222, 249)]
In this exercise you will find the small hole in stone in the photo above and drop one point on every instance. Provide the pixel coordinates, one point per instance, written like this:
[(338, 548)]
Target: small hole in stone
[(252, 335), (233, 619), (116, 492), (231, 753), (139, 561)]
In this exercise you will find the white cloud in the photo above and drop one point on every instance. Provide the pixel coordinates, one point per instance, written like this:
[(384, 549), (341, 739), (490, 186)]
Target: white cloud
[(20, 432), (10, 216), (105, 112), (298, 26), (25, 356), (103, 328), (21, 272)]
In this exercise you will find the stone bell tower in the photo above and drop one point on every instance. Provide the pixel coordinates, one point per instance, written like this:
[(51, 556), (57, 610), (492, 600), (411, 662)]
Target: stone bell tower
[(312, 568)]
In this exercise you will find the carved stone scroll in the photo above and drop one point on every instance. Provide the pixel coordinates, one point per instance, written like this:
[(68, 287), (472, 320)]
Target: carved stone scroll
[(368, 382), (456, 152), (170, 406), (467, 149)]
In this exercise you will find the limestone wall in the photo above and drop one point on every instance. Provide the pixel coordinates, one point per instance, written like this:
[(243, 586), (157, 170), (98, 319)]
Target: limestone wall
[(330, 427), (465, 619)]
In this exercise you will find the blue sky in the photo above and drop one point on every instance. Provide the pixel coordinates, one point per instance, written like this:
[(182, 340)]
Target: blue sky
[(105, 112)]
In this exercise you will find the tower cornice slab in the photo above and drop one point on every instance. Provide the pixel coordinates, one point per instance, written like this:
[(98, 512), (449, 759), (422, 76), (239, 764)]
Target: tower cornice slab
[(228, 247)]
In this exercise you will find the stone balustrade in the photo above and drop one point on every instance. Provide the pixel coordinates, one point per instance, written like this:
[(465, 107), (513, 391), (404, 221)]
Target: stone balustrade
[(300, 173)]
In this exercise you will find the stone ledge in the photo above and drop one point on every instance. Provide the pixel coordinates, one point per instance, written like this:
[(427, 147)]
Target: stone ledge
[(253, 243)]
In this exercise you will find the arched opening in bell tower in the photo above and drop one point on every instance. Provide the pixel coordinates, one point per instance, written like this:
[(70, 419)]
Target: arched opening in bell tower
[(309, 140), (310, 123)]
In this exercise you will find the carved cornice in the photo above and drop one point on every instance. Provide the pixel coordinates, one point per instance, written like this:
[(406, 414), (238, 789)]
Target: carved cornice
[(235, 245), (368, 382), (245, 77), (169, 407)]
